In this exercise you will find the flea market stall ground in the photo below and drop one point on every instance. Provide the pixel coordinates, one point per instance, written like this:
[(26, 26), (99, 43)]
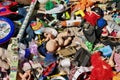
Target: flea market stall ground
[(60, 39)]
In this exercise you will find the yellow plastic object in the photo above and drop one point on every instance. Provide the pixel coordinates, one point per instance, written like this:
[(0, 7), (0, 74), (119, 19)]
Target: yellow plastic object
[(81, 12), (36, 25), (40, 41), (67, 15), (116, 76), (60, 74)]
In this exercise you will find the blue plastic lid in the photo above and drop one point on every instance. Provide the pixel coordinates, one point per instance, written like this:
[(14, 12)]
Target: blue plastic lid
[(6, 29)]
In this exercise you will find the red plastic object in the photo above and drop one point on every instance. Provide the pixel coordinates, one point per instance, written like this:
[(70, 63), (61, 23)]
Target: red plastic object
[(5, 8)]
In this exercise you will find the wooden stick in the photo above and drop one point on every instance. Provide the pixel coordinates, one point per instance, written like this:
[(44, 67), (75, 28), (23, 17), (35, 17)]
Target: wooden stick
[(30, 11)]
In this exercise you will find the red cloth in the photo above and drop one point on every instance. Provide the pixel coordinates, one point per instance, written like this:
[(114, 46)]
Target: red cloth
[(113, 33), (49, 69), (101, 70), (91, 17)]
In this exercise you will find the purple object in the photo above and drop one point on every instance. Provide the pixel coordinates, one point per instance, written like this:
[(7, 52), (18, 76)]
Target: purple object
[(117, 61), (33, 47)]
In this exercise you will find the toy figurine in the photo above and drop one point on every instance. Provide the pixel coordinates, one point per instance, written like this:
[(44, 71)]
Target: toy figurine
[(38, 29), (4, 64), (28, 67), (13, 46), (64, 38), (4, 75), (51, 47), (49, 33)]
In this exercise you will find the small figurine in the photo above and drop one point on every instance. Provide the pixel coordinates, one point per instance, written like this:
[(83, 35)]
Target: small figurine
[(50, 33), (38, 29), (27, 68), (4, 64), (64, 38), (50, 56)]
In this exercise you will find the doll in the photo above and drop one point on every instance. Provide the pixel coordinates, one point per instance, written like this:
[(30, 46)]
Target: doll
[(26, 75), (28, 67), (49, 33), (4, 74), (64, 38), (4, 64), (7, 56), (13, 46), (51, 47)]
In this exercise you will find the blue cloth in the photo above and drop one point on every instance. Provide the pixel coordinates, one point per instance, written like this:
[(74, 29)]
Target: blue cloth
[(42, 49), (101, 23), (107, 51), (30, 32), (27, 53), (49, 58), (22, 11)]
